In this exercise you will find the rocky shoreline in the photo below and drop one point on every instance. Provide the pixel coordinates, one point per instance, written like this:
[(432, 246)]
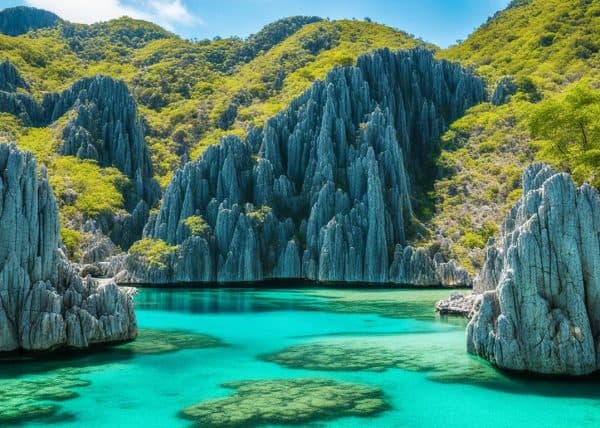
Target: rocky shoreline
[(44, 304), (457, 304), (536, 306)]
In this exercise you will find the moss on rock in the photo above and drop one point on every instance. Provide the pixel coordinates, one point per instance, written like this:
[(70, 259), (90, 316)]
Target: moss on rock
[(292, 401)]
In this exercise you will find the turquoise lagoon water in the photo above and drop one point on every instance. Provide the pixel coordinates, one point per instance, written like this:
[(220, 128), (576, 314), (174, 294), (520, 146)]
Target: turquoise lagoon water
[(432, 383)]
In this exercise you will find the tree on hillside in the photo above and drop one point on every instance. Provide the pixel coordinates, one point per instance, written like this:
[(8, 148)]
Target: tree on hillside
[(568, 126)]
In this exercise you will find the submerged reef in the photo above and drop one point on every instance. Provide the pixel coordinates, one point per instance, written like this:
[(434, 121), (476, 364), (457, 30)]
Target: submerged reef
[(290, 401), (29, 399), (151, 341), (440, 355)]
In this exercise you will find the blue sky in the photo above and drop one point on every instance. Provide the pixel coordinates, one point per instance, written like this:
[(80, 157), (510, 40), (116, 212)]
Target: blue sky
[(438, 21)]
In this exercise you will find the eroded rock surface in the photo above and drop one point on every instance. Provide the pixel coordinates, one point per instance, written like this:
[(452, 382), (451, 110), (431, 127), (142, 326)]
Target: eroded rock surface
[(10, 79), (543, 314), (44, 304), (457, 304), (105, 127), (328, 196)]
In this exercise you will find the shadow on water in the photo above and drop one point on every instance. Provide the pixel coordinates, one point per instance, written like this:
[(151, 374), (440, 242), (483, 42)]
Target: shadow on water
[(148, 342), (33, 384), (20, 364), (585, 387)]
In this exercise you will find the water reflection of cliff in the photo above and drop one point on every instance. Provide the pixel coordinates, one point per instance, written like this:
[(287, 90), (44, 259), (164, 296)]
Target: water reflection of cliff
[(220, 301)]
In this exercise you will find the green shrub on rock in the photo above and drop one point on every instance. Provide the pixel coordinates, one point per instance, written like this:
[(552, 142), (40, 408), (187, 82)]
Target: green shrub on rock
[(154, 252)]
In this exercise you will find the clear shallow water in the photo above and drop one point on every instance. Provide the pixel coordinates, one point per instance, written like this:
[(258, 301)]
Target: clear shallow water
[(395, 340)]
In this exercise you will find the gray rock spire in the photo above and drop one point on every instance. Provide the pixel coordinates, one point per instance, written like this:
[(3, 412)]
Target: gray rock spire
[(44, 304), (543, 314), (329, 198)]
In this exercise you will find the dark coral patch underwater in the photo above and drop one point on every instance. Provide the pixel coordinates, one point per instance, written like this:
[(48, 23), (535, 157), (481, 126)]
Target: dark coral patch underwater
[(289, 401)]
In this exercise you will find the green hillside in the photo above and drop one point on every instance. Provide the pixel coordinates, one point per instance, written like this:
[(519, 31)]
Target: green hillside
[(550, 48), (184, 87)]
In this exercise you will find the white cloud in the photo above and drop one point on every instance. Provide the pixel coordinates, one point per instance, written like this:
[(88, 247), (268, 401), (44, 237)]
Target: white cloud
[(167, 13), (172, 11)]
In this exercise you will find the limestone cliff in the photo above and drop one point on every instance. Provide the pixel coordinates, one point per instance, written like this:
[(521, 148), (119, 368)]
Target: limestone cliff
[(329, 196), (543, 313), (44, 304), (10, 79), (106, 128), (15, 21)]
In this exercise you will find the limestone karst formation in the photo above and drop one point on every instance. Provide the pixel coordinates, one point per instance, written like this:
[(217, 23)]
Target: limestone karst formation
[(15, 21), (105, 128), (323, 191), (540, 308), (44, 304), (10, 79)]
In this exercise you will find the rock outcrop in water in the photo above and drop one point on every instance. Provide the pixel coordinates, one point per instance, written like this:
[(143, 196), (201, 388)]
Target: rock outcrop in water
[(44, 304), (329, 197), (105, 128), (457, 304), (543, 314), (15, 21)]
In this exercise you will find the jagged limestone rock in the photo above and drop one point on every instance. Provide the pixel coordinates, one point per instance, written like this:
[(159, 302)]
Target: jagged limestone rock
[(457, 304), (15, 21), (329, 197), (544, 314), (44, 304), (505, 89), (489, 275), (412, 266), (10, 79), (99, 248), (105, 128)]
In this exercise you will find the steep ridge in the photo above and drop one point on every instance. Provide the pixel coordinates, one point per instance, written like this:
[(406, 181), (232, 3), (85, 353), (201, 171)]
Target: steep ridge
[(44, 304), (19, 20), (329, 197), (256, 91), (273, 34), (542, 313), (105, 128)]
